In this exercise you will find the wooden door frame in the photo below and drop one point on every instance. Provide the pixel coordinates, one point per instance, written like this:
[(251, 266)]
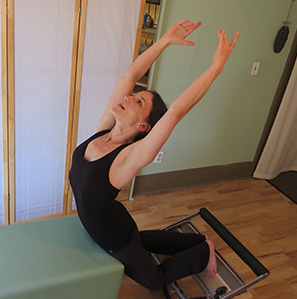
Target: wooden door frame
[(139, 28), (74, 97), (4, 72), (8, 108)]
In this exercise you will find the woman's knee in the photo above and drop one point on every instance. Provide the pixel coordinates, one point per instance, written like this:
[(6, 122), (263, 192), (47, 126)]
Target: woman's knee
[(152, 278), (154, 285)]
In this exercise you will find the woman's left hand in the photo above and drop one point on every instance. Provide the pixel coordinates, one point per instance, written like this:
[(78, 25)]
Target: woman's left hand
[(179, 31)]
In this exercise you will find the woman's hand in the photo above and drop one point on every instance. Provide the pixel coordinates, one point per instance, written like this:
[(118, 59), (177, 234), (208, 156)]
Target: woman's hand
[(223, 50), (179, 31)]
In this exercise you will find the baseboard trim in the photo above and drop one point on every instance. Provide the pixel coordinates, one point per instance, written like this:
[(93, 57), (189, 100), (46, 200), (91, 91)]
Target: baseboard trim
[(168, 181)]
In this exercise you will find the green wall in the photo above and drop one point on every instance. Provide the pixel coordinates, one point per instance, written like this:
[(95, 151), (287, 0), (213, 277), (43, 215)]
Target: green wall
[(226, 126)]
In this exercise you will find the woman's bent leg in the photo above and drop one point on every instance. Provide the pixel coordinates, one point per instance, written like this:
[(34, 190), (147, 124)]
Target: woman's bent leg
[(168, 242), (139, 264)]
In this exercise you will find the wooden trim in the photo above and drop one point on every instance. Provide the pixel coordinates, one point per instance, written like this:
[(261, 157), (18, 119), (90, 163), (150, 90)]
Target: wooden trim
[(7, 47), (71, 102), (139, 29), (52, 216), (4, 71), (74, 98), (8, 109), (11, 109), (158, 35), (168, 181)]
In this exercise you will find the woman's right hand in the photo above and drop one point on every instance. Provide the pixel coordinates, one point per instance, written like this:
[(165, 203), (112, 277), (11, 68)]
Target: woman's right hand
[(179, 31), (223, 50)]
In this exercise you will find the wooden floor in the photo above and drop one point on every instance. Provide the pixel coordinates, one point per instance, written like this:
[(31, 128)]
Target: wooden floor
[(261, 217)]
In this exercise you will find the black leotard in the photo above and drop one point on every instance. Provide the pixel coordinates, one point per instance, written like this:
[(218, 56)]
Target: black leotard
[(105, 219)]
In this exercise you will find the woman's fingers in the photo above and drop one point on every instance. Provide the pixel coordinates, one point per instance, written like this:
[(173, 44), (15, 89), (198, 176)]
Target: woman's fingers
[(234, 40), (187, 25), (191, 26), (182, 22), (194, 26), (180, 30), (223, 37)]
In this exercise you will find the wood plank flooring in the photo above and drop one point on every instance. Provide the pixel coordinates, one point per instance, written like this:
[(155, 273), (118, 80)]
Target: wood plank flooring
[(261, 217)]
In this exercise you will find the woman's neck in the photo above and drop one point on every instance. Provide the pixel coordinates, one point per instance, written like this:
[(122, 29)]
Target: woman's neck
[(120, 135)]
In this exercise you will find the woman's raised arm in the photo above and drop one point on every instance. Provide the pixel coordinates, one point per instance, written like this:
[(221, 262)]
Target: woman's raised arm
[(146, 149), (195, 92), (175, 35)]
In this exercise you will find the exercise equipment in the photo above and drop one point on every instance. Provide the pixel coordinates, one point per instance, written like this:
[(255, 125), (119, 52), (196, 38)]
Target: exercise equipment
[(55, 258), (227, 283)]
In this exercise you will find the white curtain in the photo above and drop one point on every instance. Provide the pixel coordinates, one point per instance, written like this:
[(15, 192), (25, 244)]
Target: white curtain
[(280, 152), (109, 47), (43, 50)]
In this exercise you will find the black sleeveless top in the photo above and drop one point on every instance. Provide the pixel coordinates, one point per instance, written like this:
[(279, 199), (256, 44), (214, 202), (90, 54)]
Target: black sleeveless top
[(105, 219)]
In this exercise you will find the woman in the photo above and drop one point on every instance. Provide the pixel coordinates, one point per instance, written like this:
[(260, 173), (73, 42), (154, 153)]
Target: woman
[(131, 132)]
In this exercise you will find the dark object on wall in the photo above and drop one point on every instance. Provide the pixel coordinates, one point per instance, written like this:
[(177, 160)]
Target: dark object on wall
[(283, 33), (281, 39)]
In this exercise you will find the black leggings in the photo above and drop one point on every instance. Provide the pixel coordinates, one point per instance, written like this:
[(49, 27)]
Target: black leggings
[(189, 254)]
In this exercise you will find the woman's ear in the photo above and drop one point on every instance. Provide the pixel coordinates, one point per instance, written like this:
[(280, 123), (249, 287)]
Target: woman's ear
[(144, 127)]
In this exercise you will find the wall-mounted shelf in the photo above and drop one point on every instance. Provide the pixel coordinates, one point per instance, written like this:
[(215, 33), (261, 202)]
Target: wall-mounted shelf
[(148, 33), (153, 2)]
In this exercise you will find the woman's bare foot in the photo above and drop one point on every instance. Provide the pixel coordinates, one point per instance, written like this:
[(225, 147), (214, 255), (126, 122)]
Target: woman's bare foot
[(211, 268)]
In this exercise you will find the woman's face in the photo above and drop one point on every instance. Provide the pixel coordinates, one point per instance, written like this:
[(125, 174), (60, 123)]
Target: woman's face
[(134, 108)]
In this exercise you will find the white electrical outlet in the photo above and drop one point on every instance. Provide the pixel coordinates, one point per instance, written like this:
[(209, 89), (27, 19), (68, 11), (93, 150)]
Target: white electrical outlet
[(159, 157), (255, 68)]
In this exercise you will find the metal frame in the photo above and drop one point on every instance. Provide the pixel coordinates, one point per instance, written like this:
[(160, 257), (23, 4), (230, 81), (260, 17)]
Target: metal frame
[(241, 286)]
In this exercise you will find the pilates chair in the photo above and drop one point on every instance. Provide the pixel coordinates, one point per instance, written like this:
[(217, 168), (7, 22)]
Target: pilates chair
[(227, 283)]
